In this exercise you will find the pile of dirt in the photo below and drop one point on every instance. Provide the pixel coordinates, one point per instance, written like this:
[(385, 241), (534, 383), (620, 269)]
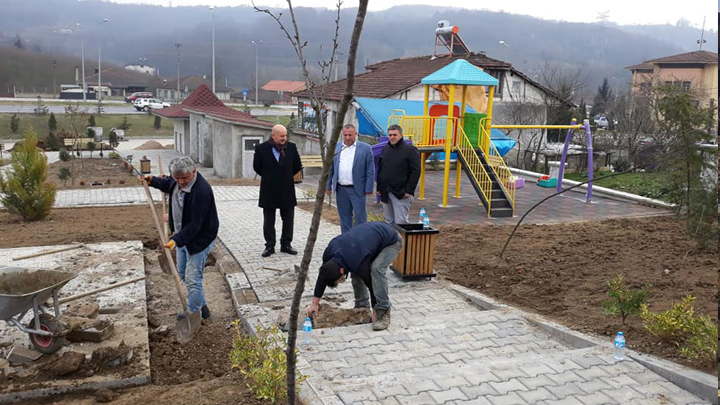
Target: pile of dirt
[(150, 145), (560, 271), (26, 282), (233, 182), (92, 173), (329, 213)]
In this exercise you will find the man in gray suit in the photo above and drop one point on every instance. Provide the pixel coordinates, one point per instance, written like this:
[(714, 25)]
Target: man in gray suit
[(351, 176)]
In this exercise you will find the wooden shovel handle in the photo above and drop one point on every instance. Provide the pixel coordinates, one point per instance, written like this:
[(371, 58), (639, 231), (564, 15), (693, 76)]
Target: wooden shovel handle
[(182, 291), (166, 228), (48, 252), (99, 290)]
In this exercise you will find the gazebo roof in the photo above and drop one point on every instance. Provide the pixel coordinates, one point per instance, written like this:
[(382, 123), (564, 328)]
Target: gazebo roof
[(460, 72)]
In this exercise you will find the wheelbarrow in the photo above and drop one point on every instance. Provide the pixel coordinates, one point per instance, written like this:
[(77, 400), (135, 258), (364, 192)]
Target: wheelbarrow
[(22, 290)]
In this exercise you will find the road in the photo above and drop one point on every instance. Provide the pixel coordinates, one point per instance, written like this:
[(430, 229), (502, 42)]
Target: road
[(117, 109)]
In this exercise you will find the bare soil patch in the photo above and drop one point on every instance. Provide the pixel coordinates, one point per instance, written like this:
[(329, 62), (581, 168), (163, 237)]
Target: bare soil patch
[(192, 374), (150, 145), (329, 213), (560, 271), (233, 182), (92, 173)]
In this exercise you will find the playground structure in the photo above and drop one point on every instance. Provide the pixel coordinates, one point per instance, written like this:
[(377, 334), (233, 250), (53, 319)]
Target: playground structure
[(469, 138)]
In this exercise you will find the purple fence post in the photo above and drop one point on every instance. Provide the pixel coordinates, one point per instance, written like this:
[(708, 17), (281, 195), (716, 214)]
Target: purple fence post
[(564, 156), (588, 134)]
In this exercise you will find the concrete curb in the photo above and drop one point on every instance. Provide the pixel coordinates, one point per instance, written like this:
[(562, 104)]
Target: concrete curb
[(701, 384), (602, 191)]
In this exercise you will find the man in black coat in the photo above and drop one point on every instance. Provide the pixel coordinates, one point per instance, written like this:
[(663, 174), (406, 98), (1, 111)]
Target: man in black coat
[(194, 224), (398, 175), (276, 162)]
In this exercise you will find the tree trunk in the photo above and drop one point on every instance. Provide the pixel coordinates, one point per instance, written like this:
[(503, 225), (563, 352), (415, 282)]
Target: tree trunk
[(315, 224)]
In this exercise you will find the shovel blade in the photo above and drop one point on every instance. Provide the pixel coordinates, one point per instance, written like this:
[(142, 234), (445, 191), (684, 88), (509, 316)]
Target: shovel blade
[(188, 327)]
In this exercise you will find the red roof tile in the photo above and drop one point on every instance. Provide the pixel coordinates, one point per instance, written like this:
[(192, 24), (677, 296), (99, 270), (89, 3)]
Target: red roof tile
[(393, 76), (203, 101), (283, 85), (641, 66)]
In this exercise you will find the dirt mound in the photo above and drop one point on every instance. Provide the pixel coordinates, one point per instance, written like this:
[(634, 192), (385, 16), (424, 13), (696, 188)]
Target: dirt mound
[(111, 356), (26, 282), (149, 145), (69, 362)]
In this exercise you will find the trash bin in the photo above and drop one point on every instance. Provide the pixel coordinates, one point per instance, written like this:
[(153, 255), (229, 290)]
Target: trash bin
[(416, 258)]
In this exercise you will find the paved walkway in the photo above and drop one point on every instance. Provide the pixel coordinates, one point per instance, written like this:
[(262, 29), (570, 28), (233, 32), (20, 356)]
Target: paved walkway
[(441, 348)]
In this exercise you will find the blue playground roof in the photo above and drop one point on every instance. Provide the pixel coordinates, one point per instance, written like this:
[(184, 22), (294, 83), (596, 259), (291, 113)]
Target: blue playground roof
[(460, 72)]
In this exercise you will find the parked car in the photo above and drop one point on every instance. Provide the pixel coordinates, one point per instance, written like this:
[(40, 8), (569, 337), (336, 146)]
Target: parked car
[(601, 121), (147, 104), (138, 94)]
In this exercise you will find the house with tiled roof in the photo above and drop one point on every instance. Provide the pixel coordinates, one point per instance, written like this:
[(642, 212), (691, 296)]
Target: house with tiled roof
[(400, 79), (168, 91), (122, 82), (217, 136), (697, 71), (282, 90)]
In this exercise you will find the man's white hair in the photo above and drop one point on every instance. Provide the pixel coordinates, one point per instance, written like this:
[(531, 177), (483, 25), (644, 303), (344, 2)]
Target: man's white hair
[(181, 165)]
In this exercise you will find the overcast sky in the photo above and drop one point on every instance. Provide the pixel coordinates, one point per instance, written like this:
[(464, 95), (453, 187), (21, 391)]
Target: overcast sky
[(618, 11)]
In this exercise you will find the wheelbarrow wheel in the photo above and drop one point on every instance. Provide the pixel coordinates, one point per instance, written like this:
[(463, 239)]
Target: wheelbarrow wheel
[(48, 344)]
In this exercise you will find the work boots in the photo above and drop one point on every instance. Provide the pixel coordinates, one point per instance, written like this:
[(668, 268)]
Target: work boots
[(382, 320)]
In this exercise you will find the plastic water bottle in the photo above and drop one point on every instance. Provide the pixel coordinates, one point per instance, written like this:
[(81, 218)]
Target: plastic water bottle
[(619, 351), (426, 222), (307, 331), (422, 215)]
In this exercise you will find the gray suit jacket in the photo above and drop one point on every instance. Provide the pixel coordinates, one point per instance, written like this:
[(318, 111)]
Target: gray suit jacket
[(363, 171)]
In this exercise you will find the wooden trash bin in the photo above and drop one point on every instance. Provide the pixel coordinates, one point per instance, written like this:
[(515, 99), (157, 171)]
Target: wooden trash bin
[(416, 258)]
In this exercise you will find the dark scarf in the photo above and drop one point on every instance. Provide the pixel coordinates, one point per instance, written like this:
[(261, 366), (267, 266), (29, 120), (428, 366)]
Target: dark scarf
[(281, 149)]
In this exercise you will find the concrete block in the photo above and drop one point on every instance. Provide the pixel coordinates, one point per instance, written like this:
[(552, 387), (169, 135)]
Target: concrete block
[(357, 396), (509, 373), (389, 391), (508, 386), (534, 382), (534, 396), (478, 391), (452, 394), (415, 388), (508, 399), (624, 395), (619, 381), (595, 399), (592, 386), (447, 383), (565, 390), (422, 398), (21, 355), (564, 378)]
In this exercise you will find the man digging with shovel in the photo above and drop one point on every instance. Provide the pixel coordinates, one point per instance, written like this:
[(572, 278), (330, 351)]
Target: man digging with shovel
[(194, 223), (365, 252)]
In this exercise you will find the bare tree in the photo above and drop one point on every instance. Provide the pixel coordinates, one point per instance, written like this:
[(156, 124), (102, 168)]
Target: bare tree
[(530, 141), (634, 117), (317, 102), (565, 87)]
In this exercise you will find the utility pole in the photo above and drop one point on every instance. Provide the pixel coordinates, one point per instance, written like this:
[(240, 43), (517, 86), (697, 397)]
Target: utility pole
[(54, 75), (702, 40), (178, 45), (257, 45), (99, 89), (212, 10), (82, 56)]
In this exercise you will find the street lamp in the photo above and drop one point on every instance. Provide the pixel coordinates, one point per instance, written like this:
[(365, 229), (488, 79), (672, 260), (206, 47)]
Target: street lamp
[(178, 45), (212, 10), (503, 43), (257, 45), (99, 90), (82, 56)]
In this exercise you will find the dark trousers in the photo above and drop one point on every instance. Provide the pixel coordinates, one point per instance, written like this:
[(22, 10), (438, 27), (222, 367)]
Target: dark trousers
[(288, 219)]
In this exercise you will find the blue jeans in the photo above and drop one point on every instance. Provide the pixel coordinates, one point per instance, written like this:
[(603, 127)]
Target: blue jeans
[(349, 203), (191, 269), (378, 278)]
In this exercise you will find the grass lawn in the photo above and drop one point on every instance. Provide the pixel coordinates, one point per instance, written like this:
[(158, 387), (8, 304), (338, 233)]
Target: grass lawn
[(276, 119), (140, 124), (648, 184)]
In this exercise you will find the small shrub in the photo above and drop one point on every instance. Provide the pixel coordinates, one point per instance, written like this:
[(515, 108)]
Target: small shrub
[(157, 124), (14, 123), (91, 121), (108, 181), (64, 155), (90, 133), (52, 123), (309, 194), (124, 125), (623, 300), (27, 192), (262, 361), (64, 174), (82, 182), (52, 142), (246, 108), (91, 148), (620, 165), (113, 139), (114, 155), (373, 217), (121, 181), (694, 335)]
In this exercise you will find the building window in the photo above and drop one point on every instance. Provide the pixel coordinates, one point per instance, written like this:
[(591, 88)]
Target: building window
[(686, 86)]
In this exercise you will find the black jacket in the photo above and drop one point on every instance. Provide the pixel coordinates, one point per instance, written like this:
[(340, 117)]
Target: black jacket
[(398, 170), (199, 219), (277, 187), (356, 249)]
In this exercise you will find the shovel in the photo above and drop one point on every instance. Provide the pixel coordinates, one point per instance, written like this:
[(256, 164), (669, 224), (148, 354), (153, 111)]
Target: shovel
[(187, 327)]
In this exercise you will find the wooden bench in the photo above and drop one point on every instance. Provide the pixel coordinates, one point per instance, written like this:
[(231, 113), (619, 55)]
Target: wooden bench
[(312, 161), (82, 142)]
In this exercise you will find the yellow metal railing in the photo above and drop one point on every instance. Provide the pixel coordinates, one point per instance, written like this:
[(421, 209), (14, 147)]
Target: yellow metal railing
[(425, 130), (498, 166), (476, 168)]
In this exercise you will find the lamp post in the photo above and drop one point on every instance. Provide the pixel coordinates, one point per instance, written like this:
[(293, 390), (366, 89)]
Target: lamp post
[(178, 45), (82, 57), (212, 10), (257, 45), (503, 43), (99, 89)]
